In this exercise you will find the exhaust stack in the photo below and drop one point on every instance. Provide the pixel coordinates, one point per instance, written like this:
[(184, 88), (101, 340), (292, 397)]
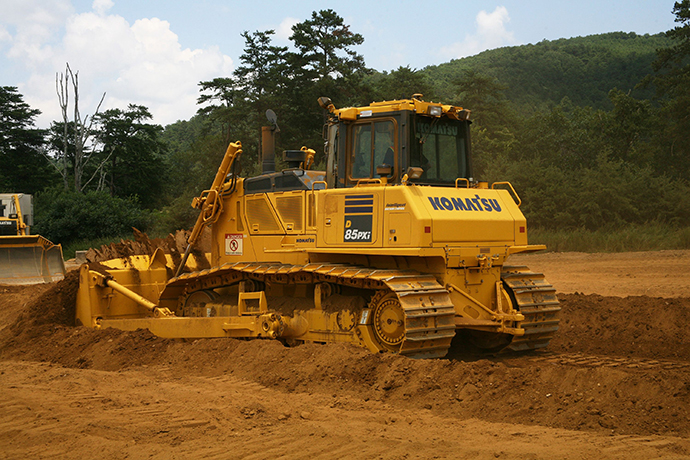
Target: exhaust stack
[(268, 143)]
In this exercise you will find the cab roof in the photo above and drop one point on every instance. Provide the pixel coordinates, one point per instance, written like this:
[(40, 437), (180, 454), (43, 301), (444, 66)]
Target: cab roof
[(431, 109)]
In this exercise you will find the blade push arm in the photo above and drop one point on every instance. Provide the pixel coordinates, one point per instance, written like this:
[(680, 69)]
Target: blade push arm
[(210, 202), (21, 226)]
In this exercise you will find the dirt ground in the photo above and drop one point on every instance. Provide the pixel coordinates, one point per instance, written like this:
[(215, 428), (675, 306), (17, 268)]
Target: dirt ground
[(614, 383)]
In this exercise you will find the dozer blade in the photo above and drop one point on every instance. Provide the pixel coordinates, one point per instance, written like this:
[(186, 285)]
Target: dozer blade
[(30, 259)]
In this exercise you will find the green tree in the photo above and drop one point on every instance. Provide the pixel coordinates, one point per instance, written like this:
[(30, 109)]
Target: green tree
[(69, 216), (194, 150), (495, 122), (239, 102), (262, 78), (628, 128), (133, 152), (23, 168), (325, 46), (263, 67), (325, 64), (400, 83), (672, 81), (540, 75), (218, 97), (485, 97), (289, 83)]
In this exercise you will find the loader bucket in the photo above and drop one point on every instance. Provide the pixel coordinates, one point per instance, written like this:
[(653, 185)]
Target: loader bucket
[(30, 259)]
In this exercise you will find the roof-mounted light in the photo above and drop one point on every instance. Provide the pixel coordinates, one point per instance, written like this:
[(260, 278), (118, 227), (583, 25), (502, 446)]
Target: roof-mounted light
[(435, 110)]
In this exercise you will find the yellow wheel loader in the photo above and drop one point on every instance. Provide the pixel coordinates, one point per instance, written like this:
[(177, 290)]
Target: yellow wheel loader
[(25, 258), (395, 247)]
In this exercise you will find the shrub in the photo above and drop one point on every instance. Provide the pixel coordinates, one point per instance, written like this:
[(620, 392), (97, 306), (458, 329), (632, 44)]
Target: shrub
[(66, 217)]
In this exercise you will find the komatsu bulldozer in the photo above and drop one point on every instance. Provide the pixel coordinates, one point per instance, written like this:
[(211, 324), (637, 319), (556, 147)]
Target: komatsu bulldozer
[(395, 247), (25, 258)]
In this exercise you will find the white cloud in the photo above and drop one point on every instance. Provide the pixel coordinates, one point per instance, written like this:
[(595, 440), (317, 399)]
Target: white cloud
[(4, 35), (34, 11), (34, 23), (491, 33), (284, 30), (141, 63), (102, 6)]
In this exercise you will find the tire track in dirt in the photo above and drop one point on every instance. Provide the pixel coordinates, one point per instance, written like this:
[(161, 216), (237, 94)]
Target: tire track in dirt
[(584, 360), (72, 418)]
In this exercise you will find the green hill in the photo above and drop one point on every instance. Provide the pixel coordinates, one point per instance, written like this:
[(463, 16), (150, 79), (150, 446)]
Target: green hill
[(538, 76)]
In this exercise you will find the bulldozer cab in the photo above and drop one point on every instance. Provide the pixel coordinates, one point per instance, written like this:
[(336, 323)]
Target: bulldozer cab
[(12, 221), (381, 142)]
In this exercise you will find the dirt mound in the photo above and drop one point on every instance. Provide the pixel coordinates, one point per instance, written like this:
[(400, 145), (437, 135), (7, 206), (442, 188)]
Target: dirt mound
[(14, 299), (613, 384), (640, 326), (527, 389), (591, 378), (54, 306)]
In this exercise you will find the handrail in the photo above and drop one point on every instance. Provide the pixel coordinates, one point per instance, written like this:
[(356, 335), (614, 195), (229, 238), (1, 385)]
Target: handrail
[(362, 182), (516, 197), (325, 184), (463, 179)]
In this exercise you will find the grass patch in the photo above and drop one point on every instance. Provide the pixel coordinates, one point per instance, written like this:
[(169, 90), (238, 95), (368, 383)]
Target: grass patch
[(648, 237)]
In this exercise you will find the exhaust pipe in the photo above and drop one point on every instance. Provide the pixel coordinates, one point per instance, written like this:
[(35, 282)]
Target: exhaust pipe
[(268, 143), (268, 150)]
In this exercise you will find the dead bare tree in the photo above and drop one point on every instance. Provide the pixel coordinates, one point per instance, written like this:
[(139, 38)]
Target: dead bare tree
[(82, 130), (62, 90)]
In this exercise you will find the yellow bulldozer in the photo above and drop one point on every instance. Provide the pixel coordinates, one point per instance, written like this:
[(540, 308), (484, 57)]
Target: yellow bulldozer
[(25, 258), (394, 247)]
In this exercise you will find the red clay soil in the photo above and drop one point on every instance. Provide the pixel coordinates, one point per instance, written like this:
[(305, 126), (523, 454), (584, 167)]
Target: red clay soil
[(612, 384)]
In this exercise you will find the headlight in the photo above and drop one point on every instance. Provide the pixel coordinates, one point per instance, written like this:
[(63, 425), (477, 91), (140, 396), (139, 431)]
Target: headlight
[(435, 110)]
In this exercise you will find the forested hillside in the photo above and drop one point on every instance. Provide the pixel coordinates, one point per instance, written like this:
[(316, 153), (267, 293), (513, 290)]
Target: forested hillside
[(583, 69), (593, 132)]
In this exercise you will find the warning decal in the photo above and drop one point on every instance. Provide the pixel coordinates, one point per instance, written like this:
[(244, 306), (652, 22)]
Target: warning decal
[(233, 244)]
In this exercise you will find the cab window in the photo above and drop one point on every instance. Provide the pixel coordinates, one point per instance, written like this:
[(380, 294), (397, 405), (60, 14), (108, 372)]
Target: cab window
[(440, 149), (373, 144)]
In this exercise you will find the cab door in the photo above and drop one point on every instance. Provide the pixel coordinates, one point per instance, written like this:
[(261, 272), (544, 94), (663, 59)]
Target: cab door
[(372, 143)]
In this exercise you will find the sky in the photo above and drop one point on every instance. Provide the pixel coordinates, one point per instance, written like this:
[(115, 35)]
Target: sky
[(155, 52)]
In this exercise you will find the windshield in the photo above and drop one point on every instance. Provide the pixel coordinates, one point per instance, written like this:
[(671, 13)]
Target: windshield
[(439, 147)]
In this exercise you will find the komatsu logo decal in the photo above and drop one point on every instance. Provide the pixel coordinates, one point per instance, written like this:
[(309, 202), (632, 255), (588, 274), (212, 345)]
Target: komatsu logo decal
[(359, 213), (466, 204)]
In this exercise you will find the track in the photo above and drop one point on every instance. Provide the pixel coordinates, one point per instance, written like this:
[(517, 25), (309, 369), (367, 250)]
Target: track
[(537, 301), (427, 311), (429, 315)]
